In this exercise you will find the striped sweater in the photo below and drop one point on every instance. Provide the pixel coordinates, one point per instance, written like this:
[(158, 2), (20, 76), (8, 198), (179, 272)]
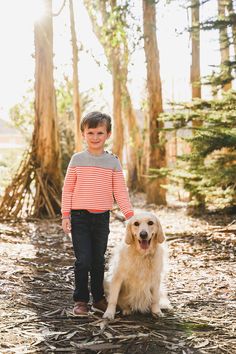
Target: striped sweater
[(93, 182)]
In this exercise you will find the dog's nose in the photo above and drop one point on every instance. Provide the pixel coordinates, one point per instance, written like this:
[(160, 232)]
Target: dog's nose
[(143, 234)]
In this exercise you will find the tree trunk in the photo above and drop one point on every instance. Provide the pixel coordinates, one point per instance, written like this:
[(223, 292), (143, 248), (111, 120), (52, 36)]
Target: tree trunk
[(115, 62), (118, 129), (122, 106), (157, 155), (196, 74), (232, 15), (224, 46), (76, 98), (112, 52), (45, 139), (36, 187), (195, 67), (133, 143), (133, 138)]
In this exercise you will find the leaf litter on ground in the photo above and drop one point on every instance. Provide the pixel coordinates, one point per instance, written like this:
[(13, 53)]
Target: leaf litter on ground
[(37, 283)]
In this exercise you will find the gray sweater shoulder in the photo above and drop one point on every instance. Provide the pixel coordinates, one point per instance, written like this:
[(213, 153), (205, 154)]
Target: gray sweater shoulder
[(107, 160)]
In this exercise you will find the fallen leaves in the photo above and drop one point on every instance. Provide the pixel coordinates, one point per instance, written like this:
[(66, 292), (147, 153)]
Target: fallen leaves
[(37, 281)]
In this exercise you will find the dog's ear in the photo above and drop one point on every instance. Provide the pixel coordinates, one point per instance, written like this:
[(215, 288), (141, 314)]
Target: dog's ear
[(160, 233), (128, 236)]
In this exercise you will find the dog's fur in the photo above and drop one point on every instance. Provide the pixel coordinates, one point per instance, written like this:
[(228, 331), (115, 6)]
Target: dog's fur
[(137, 268)]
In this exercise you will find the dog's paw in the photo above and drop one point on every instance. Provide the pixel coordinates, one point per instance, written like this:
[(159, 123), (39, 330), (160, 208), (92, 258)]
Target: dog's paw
[(109, 315), (156, 311), (157, 314), (126, 312)]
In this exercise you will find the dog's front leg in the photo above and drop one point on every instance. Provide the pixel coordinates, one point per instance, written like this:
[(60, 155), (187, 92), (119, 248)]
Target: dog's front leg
[(155, 306), (113, 297)]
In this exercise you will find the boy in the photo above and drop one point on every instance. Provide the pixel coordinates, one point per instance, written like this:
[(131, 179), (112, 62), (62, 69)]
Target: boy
[(93, 177)]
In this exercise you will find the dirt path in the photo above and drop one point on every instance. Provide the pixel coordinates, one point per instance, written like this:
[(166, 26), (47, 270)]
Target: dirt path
[(36, 263)]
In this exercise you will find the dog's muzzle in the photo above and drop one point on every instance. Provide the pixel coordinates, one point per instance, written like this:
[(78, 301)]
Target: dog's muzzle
[(144, 243)]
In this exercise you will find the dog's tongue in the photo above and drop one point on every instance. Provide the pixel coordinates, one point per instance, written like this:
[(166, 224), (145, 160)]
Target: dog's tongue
[(144, 244)]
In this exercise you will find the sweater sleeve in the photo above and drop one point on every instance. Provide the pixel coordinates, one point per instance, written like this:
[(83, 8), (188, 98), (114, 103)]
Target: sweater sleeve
[(67, 190), (120, 191)]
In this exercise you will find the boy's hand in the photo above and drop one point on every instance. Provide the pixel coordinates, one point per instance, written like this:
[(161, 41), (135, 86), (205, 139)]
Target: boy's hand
[(66, 225)]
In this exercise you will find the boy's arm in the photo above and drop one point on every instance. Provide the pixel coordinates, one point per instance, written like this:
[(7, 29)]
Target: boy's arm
[(67, 191), (121, 193)]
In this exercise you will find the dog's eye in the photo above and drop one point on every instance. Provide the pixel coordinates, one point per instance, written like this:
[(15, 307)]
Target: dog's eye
[(136, 223), (150, 222)]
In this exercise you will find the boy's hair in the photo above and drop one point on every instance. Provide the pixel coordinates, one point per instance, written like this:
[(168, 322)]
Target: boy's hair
[(94, 119)]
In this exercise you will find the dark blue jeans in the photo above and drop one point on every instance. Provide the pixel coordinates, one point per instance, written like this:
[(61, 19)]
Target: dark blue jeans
[(89, 236)]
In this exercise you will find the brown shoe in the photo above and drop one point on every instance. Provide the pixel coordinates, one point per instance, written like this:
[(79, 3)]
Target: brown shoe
[(80, 309), (100, 306)]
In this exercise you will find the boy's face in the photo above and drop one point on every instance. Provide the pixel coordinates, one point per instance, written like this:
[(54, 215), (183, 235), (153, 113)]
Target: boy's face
[(96, 138)]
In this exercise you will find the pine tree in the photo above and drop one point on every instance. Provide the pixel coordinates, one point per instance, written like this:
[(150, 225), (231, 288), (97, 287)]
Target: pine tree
[(214, 143)]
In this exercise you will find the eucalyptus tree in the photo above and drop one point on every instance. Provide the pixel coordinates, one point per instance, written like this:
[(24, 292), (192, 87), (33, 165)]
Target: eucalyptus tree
[(36, 187), (104, 28), (232, 18), (195, 39), (76, 96), (112, 34), (224, 45), (46, 138), (157, 153)]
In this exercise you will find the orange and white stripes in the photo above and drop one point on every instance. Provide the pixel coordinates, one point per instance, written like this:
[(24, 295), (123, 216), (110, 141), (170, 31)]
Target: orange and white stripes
[(94, 188)]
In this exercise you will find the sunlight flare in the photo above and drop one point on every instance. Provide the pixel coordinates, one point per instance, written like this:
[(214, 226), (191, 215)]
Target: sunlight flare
[(37, 10)]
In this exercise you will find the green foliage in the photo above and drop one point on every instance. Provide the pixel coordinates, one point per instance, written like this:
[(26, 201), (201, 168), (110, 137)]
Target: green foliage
[(221, 76), (115, 27), (209, 171)]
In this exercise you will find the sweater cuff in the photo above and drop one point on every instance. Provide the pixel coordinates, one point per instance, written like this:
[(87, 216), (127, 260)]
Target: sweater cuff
[(129, 214), (65, 215)]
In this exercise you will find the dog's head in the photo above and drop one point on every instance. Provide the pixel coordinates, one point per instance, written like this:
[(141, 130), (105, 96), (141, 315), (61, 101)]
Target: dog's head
[(145, 231)]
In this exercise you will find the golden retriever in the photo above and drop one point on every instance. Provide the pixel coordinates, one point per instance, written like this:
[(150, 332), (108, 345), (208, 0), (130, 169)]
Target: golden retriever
[(136, 269)]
